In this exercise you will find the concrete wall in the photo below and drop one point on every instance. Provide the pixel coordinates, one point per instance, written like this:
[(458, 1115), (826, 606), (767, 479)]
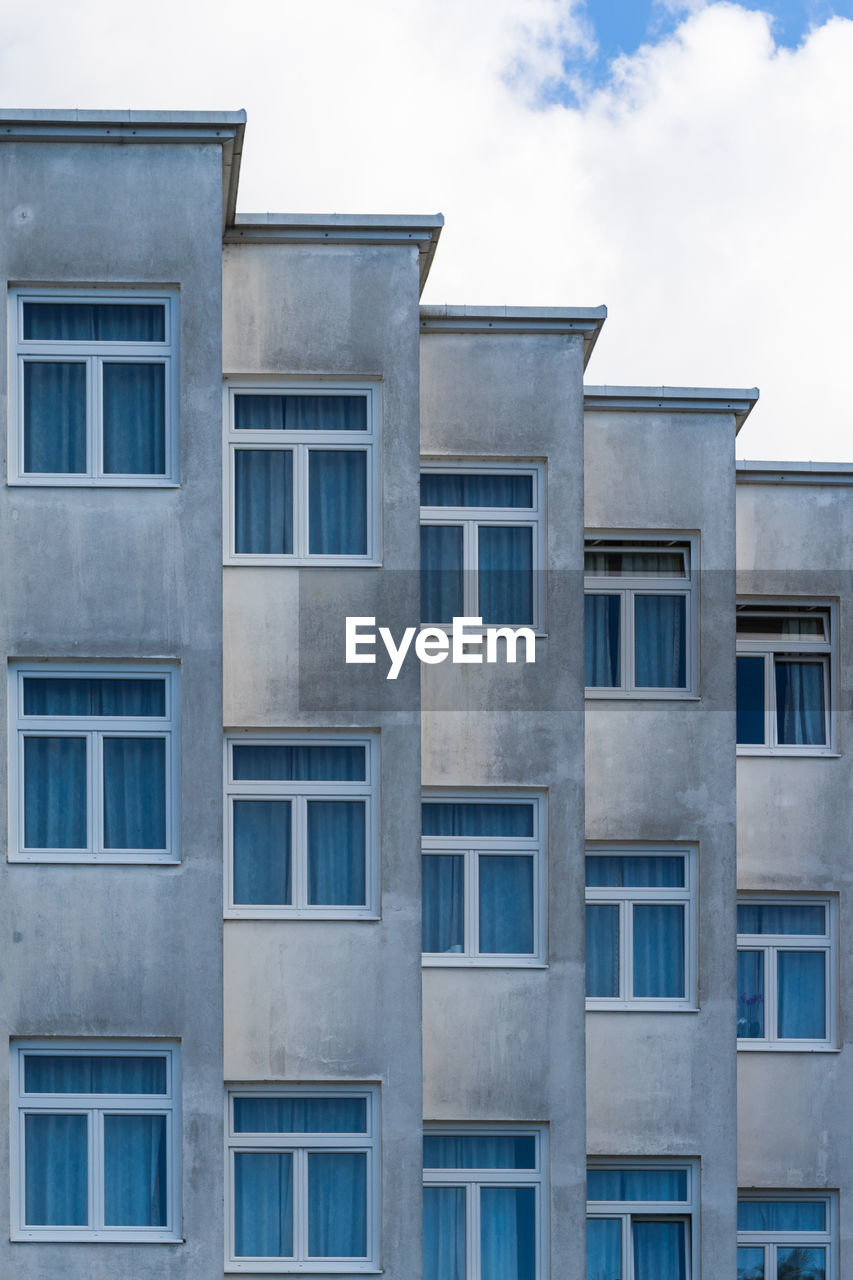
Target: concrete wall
[(507, 1044), (663, 1084), (115, 951)]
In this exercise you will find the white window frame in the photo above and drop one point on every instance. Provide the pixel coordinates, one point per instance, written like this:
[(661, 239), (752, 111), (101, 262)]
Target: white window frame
[(628, 586), (299, 443), (672, 1210), (771, 1240), (94, 729), (470, 847), (300, 1144), (801, 648), (771, 944), (95, 1106), (473, 1180), (93, 354), (299, 793), (473, 518), (626, 897)]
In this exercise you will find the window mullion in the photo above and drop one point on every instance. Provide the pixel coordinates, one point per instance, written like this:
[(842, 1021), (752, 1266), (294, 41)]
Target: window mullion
[(626, 945), (471, 876), (96, 1169), (627, 638), (770, 722), (470, 576), (95, 790), (299, 504), (94, 417), (771, 1004), (472, 1221), (300, 1203), (299, 851)]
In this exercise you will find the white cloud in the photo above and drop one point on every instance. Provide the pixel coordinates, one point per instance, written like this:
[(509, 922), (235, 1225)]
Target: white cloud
[(705, 196)]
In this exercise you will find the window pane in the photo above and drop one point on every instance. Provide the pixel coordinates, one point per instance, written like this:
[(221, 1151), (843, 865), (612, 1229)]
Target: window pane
[(134, 419), (652, 563), (56, 1163), (603, 1249), (780, 917), (508, 1233), (299, 763), (337, 1204), (616, 871), (800, 1264), (444, 1233), (262, 852), (336, 852), (134, 793), (750, 700), (55, 793), (602, 950), (86, 1073), (263, 1204), (505, 578), (636, 1184), (135, 1179), (493, 489), (82, 696), (263, 502), (94, 321), (443, 890), (659, 1250), (800, 703), (441, 572), (658, 950), (506, 905), (768, 625), (54, 418), (750, 994), (750, 1264), (300, 1115), (469, 818), (479, 1151), (660, 642), (300, 413), (602, 641), (781, 1215), (337, 502), (802, 994)]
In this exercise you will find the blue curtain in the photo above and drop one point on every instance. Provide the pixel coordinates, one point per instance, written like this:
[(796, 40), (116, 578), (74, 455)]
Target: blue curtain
[(798, 1263), (479, 1151), (602, 641), (55, 805), (299, 763), (750, 994), (95, 321), (750, 1264), (491, 489), (658, 950), (337, 1204), (263, 501), (618, 871), (134, 793), (801, 977), (264, 1114), (636, 1184), (800, 703), (263, 1204), (56, 1171), (91, 696), (507, 1233), (134, 418), (336, 852), (472, 818), (54, 417), (337, 502), (660, 642), (441, 573), (135, 1177), (443, 899), (92, 1073), (781, 1215), (444, 1233), (659, 1250), (750, 700), (506, 904), (602, 950), (603, 1249), (780, 917), (300, 413), (262, 841), (505, 574)]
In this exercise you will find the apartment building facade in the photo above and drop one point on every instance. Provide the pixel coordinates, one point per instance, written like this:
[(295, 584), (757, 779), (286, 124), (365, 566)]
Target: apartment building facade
[(314, 971)]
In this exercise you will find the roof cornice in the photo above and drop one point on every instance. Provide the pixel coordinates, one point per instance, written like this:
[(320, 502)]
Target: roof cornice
[(737, 401), (809, 473), (559, 321)]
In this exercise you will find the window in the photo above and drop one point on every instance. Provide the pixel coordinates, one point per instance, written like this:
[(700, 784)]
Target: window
[(786, 973), (303, 1177), (641, 929), (787, 1237), (95, 1141), (304, 473), (640, 616), (93, 758), (639, 1221), (484, 1215), (482, 543), (483, 881), (784, 679), (95, 388), (303, 827)]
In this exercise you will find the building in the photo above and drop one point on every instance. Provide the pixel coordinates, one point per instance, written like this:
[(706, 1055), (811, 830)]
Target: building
[(281, 931)]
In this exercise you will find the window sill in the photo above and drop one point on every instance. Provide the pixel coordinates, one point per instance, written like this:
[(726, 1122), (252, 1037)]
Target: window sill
[(640, 1006), (94, 1237), (302, 913), (643, 695), (93, 482), (793, 753), (302, 562), (761, 1046), (75, 857), (480, 962), (263, 1267)]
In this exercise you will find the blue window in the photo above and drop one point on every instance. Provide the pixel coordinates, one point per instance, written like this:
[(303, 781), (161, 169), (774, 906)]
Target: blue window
[(639, 1221), (786, 1239), (784, 679), (786, 967)]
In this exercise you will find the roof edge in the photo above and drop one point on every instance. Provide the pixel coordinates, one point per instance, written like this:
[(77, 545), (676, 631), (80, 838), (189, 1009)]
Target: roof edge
[(447, 318), (738, 401), (808, 473)]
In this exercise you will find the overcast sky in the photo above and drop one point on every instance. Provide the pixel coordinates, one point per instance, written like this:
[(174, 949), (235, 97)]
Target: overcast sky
[(686, 163)]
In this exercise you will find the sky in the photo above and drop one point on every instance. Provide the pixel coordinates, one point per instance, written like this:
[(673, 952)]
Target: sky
[(685, 162)]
